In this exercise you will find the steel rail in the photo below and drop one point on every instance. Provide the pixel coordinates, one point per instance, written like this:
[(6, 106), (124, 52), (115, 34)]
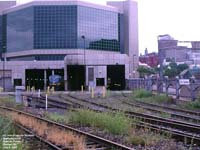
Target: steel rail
[(196, 113), (91, 137)]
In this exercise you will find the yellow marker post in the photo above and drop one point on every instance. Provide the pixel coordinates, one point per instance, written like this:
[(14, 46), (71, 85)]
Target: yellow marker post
[(104, 92), (82, 88), (92, 95), (52, 90), (48, 90), (33, 89)]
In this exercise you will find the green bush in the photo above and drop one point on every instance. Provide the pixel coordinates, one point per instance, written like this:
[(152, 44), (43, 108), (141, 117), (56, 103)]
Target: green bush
[(193, 105), (162, 99), (113, 123), (141, 93)]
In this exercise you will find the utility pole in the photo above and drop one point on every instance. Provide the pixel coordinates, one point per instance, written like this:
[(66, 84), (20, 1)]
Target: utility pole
[(84, 61)]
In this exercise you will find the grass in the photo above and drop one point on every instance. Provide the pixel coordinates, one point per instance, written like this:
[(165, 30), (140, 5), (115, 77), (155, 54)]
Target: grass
[(57, 117), (146, 96), (112, 123), (7, 128), (164, 115), (10, 102), (7, 101), (193, 105), (145, 137), (141, 93)]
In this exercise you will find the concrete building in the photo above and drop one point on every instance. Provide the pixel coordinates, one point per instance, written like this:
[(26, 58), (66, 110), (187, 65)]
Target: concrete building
[(86, 44)]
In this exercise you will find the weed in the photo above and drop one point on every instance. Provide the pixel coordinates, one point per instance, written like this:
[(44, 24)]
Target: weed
[(57, 117), (7, 101), (194, 105), (141, 93), (51, 133), (155, 99), (164, 115), (113, 123), (145, 137)]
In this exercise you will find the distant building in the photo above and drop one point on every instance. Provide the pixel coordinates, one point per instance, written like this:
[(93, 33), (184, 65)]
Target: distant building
[(151, 59), (171, 49)]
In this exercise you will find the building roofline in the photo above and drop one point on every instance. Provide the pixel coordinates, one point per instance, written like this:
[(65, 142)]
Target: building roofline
[(60, 2)]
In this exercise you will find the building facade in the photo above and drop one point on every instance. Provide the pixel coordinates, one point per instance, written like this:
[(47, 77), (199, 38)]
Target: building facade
[(86, 44), (151, 59)]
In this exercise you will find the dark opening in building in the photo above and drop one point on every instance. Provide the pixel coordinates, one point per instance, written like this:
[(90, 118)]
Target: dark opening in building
[(75, 77), (36, 78), (100, 82), (116, 77), (17, 82)]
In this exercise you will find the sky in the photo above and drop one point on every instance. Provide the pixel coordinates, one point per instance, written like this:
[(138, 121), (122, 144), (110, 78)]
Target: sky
[(179, 18)]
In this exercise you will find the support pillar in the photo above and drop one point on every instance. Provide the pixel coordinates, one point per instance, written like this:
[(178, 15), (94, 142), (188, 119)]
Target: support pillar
[(65, 77), (45, 80)]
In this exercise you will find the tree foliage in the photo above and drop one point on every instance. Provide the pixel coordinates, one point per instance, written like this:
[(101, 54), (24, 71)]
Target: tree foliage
[(173, 70), (144, 71)]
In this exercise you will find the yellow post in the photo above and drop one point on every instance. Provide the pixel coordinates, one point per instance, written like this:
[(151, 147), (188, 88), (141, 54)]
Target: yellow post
[(52, 90), (81, 88), (92, 93), (104, 92), (48, 90), (33, 89)]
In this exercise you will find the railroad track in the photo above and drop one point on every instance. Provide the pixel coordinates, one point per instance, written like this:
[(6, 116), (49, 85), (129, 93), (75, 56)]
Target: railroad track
[(41, 101), (175, 127), (92, 141), (173, 114), (53, 146), (178, 110)]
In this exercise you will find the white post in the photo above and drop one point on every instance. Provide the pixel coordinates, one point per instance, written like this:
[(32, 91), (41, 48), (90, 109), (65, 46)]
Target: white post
[(39, 93), (46, 101)]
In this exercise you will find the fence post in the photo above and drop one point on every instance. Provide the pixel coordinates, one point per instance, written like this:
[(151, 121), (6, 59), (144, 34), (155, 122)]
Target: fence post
[(192, 88), (149, 83), (166, 85), (177, 87), (46, 102)]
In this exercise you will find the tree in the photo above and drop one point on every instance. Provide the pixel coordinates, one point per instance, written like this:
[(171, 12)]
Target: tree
[(173, 70), (182, 67), (143, 71)]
